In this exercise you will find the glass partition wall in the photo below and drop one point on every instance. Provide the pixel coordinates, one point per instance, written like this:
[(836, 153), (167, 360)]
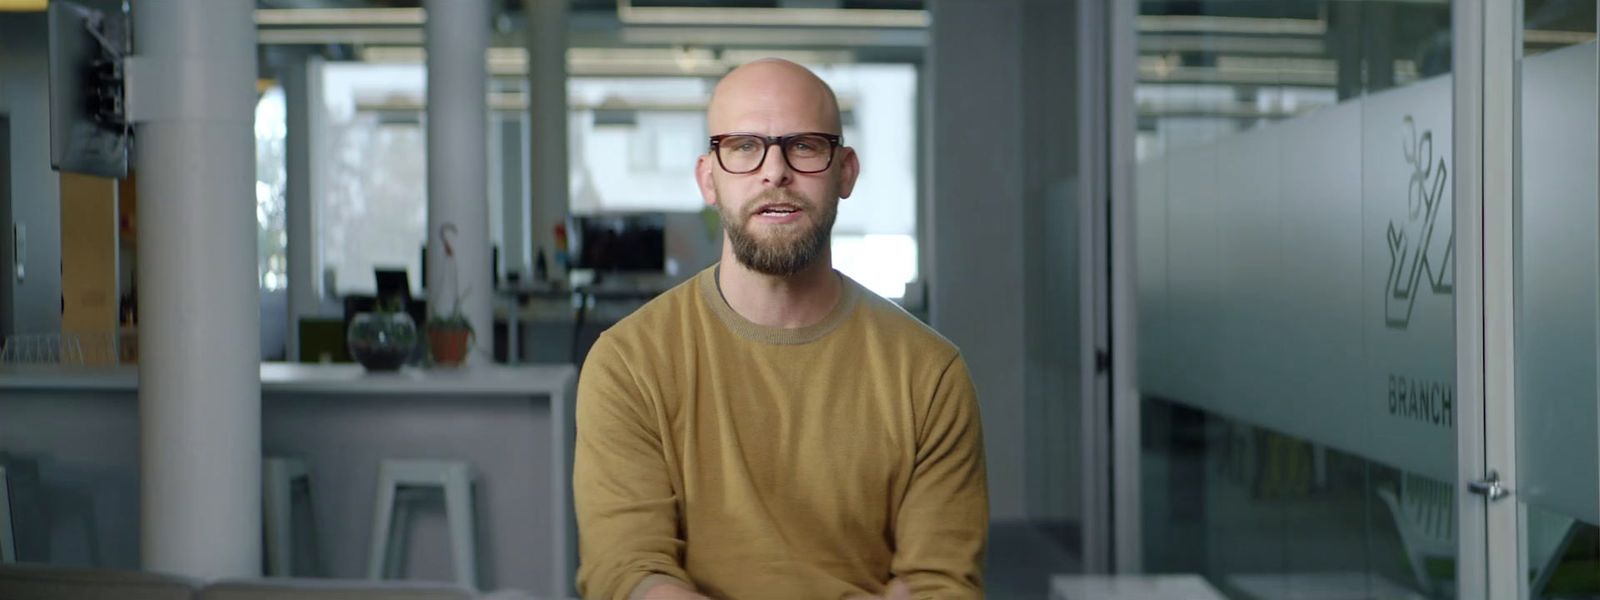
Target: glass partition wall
[(1296, 296), (1297, 166), (1556, 280)]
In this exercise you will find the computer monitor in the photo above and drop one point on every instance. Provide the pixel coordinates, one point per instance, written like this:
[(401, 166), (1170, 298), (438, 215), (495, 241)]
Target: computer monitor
[(619, 243), (394, 285)]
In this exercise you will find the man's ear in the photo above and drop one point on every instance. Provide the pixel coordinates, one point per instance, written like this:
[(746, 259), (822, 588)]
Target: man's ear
[(702, 177), (849, 170)]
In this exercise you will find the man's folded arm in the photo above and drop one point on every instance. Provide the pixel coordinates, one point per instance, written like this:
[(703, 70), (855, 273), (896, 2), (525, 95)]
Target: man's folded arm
[(627, 510), (943, 524), (661, 587)]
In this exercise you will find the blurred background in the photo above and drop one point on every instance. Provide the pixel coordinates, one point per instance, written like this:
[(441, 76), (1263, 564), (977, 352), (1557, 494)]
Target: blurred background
[(1200, 255)]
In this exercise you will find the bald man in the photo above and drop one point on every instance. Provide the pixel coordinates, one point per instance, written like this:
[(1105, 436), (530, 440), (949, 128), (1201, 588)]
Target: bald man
[(771, 429)]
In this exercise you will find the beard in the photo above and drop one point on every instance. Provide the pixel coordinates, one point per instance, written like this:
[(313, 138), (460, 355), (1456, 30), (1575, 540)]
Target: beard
[(786, 250)]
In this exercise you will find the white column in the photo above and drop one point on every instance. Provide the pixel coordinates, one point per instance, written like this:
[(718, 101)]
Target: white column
[(302, 93), (547, 125), (192, 92), (458, 176)]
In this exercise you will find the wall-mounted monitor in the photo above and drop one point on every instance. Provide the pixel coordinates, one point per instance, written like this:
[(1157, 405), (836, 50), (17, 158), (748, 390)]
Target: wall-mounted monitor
[(89, 132)]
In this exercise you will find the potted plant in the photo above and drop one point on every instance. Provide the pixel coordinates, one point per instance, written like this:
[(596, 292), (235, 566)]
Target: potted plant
[(450, 335)]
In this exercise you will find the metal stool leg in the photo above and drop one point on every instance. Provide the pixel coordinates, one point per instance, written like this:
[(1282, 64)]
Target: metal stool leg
[(383, 513), (463, 542)]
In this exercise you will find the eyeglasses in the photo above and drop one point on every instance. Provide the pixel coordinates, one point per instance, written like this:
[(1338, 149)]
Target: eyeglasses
[(741, 153)]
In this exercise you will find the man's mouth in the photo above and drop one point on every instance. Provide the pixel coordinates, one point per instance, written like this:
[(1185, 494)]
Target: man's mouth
[(777, 210)]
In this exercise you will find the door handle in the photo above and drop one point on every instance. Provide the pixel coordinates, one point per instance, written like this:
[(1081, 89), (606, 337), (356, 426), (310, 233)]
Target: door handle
[(1489, 487), (19, 250)]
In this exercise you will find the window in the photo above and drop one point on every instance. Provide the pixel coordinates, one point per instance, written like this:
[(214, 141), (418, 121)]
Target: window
[(374, 210), (271, 241), (633, 144), (875, 238)]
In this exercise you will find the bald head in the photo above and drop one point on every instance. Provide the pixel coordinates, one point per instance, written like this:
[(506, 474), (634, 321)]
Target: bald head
[(776, 98), (772, 96)]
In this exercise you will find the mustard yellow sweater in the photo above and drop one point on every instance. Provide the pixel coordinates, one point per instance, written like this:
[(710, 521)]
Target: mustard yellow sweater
[(757, 463)]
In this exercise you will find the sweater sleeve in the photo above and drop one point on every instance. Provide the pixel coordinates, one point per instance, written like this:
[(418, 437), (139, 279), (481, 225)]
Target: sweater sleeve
[(943, 523), (627, 509)]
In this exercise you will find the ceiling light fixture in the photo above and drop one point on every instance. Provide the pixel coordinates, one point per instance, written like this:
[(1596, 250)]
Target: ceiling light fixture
[(300, 17), (1248, 25), (775, 17)]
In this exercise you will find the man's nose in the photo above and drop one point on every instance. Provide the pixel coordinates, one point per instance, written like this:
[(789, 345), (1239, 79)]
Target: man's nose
[(775, 170)]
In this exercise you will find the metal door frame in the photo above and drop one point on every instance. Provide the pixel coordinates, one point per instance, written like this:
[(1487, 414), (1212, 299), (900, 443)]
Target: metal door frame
[(1109, 419), (1487, 36), (1095, 458), (1500, 543)]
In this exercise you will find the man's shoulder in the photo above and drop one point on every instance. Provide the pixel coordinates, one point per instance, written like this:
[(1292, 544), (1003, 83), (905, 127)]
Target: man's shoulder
[(890, 321)]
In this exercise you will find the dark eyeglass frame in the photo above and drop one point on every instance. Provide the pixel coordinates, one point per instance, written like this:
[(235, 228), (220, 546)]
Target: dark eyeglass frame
[(782, 141)]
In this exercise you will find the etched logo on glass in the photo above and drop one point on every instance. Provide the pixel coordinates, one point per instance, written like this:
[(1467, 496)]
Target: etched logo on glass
[(1420, 245)]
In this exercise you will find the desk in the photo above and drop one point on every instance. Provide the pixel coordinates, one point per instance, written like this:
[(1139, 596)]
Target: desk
[(582, 297), (514, 424)]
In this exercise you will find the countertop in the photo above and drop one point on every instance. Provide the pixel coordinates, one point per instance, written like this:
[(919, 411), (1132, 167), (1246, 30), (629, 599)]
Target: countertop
[(497, 380)]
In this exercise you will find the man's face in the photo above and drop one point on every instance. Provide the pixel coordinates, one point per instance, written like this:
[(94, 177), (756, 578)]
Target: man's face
[(779, 230), (778, 220)]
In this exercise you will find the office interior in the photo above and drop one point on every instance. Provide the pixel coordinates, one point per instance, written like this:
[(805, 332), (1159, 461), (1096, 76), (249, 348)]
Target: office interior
[(1263, 299)]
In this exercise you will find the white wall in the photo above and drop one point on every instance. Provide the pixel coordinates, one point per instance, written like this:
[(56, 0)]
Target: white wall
[(976, 221), (1050, 214), (1002, 238)]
